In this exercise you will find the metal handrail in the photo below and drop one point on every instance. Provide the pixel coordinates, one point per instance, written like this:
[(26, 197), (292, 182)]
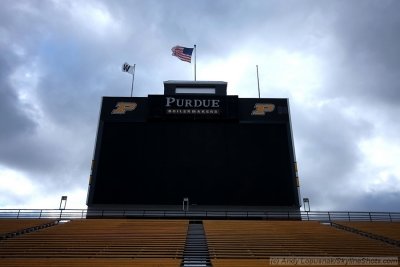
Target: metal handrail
[(206, 214)]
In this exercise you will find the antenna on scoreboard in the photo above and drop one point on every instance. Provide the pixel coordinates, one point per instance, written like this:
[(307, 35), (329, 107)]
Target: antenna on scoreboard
[(258, 83)]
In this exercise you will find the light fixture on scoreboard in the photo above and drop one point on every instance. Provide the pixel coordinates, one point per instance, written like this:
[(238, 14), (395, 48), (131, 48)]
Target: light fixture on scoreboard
[(195, 88), (208, 91)]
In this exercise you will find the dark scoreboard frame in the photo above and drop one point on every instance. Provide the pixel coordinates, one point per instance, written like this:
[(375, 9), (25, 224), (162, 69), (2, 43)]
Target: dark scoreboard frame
[(193, 110)]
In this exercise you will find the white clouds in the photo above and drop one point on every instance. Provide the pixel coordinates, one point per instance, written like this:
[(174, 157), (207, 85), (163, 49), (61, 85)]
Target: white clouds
[(15, 183), (381, 167), (282, 74), (19, 192), (234, 69), (94, 17), (357, 159), (296, 73)]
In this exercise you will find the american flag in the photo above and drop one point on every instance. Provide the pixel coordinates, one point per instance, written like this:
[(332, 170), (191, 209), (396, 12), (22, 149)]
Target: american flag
[(183, 53)]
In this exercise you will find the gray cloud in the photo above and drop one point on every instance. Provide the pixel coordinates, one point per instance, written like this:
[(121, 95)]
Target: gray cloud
[(15, 121), (368, 62), (75, 50)]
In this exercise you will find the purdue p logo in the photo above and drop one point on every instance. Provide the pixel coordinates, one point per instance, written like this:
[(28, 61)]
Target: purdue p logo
[(260, 109), (123, 107)]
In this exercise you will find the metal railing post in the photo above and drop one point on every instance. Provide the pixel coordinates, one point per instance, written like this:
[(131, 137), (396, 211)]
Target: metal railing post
[(18, 214)]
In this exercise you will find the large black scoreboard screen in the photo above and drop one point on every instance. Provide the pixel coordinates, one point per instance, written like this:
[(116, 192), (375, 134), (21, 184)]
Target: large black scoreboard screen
[(213, 150)]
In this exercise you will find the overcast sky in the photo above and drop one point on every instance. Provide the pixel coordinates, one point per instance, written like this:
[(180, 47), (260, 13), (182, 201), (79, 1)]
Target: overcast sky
[(338, 62)]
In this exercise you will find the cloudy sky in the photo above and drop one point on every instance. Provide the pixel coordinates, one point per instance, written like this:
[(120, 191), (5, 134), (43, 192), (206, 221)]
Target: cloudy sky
[(337, 61)]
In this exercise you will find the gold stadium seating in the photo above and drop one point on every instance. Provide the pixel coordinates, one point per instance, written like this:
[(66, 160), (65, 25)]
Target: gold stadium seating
[(264, 239), (89, 262), (151, 243), (103, 242)]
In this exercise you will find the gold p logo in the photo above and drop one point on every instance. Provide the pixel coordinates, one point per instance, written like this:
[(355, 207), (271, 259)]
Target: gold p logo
[(261, 108), (123, 107)]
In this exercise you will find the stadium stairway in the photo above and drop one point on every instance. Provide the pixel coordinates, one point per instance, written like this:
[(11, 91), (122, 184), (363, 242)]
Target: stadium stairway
[(363, 231), (196, 250), (10, 228)]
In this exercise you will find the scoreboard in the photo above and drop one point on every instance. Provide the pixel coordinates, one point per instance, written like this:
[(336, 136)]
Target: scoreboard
[(214, 150)]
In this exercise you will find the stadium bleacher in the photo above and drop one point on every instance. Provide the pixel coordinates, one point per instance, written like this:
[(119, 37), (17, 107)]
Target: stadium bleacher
[(84, 242), (262, 239), (144, 242)]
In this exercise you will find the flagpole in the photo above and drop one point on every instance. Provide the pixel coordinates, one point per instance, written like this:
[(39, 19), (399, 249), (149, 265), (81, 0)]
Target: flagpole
[(258, 83), (195, 62), (133, 78)]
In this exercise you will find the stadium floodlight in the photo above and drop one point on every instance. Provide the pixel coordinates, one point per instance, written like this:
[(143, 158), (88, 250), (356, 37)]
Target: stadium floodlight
[(185, 204), (306, 201), (63, 201)]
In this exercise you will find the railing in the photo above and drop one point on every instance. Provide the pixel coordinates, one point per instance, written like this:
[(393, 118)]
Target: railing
[(43, 213), (66, 214)]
